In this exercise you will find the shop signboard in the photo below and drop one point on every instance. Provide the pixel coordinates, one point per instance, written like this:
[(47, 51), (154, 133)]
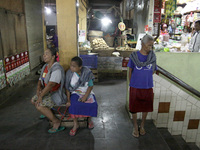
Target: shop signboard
[(26, 57), (8, 64), (13, 62), (157, 11), (22, 58), (18, 60), (2, 76), (17, 67), (82, 35)]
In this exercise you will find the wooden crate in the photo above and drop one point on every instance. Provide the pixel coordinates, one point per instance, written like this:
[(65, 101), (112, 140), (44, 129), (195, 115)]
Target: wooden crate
[(95, 72)]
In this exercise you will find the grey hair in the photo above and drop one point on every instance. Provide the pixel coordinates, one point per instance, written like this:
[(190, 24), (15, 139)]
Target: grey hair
[(146, 39)]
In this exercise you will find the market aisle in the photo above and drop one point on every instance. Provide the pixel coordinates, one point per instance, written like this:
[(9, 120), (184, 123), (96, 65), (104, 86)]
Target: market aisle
[(21, 129)]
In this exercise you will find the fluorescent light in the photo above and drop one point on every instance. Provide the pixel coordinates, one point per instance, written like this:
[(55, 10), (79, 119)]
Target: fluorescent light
[(77, 4), (105, 21), (48, 10)]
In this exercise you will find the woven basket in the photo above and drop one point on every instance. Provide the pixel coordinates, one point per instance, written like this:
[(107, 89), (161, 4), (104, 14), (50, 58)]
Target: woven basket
[(104, 52)]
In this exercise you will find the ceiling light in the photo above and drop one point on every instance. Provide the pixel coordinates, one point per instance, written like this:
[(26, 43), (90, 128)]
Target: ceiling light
[(105, 21), (48, 10)]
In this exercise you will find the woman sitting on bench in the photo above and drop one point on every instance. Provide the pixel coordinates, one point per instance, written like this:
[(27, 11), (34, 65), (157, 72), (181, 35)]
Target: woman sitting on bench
[(50, 89), (79, 85)]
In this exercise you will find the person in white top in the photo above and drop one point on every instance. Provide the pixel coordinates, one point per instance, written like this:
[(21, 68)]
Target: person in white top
[(195, 41)]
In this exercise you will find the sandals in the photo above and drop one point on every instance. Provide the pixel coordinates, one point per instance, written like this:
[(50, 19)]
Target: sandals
[(42, 117), (135, 135), (53, 130), (90, 125), (73, 132), (142, 131)]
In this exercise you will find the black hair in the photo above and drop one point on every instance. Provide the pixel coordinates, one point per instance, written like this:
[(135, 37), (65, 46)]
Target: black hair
[(53, 51), (198, 21), (52, 31), (78, 61)]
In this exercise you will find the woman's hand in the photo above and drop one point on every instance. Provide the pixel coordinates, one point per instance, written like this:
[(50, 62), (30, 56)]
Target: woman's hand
[(68, 103), (38, 92), (39, 100), (83, 99)]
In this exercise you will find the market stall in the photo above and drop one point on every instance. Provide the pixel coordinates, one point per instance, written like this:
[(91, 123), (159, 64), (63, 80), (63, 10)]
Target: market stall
[(177, 25)]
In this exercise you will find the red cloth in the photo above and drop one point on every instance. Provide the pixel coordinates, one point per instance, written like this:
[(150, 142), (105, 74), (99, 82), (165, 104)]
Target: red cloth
[(140, 100), (78, 116), (56, 87)]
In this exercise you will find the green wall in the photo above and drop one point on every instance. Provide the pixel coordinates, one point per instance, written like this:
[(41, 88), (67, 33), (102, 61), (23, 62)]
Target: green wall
[(185, 66)]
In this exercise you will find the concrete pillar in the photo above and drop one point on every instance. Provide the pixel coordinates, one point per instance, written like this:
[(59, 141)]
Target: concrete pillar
[(67, 31), (82, 16), (44, 27)]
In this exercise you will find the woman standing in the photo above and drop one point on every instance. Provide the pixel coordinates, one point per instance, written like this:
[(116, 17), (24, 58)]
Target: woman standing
[(50, 89), (79, 85), (142, 65)]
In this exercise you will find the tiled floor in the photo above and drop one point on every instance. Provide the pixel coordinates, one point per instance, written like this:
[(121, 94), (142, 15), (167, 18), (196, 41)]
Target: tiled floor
[(21, 129)]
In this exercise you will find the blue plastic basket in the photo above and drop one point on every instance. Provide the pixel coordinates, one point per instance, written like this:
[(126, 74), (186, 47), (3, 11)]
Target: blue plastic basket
[(90, 60)]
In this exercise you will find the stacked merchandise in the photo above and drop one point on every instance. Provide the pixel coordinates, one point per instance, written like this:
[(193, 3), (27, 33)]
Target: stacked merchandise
[(99, 43), (99, 46), (2, 76), (17, 67)]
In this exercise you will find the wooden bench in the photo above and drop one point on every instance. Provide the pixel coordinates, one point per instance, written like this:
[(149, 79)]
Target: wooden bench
[(66, 120)]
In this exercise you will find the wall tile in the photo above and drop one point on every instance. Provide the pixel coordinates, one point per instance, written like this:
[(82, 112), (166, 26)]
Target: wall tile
[(170, 123), (160, 119), (164, 107), (193, 124), (165, 83), (198, 104), (186, 121), (183, 94), (173, 102), (184, 131), (179, 115), (191, 135), (178, 105), (170, 131), (183, 105), (176, 132), (155, 104), (188, 111), (158, 85), (198, 138), (180, 126), (184, 137), (168, 96), (157, 93), (192, 100), (174, 94), (193, 112), (189, 104), (157, 78), (162, 96), (198, 113), (171, 113), (162, 88), (174, 89), (175, 126), (149, 116)]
